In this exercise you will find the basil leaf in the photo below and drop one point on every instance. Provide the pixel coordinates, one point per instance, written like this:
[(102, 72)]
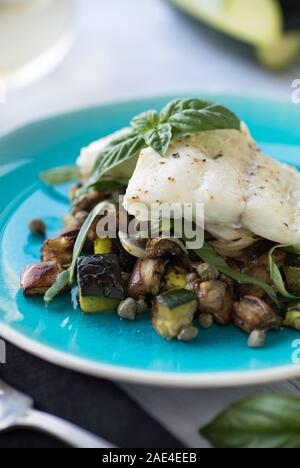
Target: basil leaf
[(66, 278), (117, 152), (188, 116), (276, 275), (209, 255), (159, 138), (60, 175), (257, 422), (110, 185), (145, 121)]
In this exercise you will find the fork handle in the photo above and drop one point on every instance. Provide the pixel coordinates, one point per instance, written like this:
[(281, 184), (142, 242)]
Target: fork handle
[(63, 430)]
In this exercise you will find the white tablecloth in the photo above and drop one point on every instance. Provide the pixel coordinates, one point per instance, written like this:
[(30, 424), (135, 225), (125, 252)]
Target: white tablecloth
[(126, 48)]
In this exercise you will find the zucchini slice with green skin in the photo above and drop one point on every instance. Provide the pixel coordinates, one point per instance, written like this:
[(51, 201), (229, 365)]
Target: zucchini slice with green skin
[(280, 53), (252, 21), (175, 278), (172, 311), (100, 287), (102, 246)]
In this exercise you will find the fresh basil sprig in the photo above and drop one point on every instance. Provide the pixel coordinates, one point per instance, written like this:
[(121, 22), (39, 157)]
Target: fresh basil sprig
[(276, 275), (181, 117), (60, 175), (187, 116), (66, 278), (209, 255), (116, 152), (261, 422)]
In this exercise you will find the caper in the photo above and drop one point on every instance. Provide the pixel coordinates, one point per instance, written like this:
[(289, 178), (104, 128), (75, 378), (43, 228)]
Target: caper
[(37, 227), (127, 309), (187, 334), (257, 339), (207, 272), (142, 306), (206, 320)]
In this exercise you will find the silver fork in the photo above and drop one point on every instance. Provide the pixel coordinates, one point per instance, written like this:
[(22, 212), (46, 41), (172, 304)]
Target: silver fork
[(16, 411)]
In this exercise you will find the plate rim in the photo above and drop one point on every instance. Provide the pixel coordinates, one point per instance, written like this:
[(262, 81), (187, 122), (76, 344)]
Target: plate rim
[(152, 378), (135, 375)]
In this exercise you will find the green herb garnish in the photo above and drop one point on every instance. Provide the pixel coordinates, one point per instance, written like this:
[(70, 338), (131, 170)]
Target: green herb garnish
[(66, 278), (60, 175), (210, 256), (258, 422)]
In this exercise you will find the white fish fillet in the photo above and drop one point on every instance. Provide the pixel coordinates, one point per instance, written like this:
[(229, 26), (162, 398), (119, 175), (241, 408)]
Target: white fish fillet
[(240, 187)]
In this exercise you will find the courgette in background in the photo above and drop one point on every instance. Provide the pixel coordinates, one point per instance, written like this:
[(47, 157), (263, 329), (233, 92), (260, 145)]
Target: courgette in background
[(271, 26)]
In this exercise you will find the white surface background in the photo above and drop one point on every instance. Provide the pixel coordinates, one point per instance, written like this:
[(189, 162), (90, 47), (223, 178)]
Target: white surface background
[(126, 48)]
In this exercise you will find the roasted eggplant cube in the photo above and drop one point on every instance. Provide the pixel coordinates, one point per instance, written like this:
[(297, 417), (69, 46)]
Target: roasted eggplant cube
[(146, 277), (59, 250), (36, 279), (172, 311), (99, 283)]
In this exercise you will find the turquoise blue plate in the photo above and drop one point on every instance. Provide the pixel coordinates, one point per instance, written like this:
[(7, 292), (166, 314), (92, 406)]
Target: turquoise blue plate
[(104, 345)]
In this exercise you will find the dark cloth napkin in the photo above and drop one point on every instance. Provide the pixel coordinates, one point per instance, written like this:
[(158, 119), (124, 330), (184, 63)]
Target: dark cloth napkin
[(93, 404)]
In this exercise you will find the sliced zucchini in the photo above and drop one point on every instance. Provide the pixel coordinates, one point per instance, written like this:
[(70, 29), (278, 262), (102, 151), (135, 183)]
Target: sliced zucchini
[(280, 53), (100, 285), (252, 21), (173, 311), (103, 246), (292, 320), (93, 305), (175, 278)]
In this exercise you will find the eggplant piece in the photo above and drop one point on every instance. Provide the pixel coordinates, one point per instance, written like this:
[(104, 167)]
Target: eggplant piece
[(172, 312), (214, 298), (70, 232), (162, 248), (146, 278), (86, 202), (126, 260), (100, 287), (251, 313), (59, 250), (36, 279)]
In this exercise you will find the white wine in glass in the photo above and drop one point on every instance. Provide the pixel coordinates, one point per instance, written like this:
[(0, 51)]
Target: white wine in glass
[(35, 35)]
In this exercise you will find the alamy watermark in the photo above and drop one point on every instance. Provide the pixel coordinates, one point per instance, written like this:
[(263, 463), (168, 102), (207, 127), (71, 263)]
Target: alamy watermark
[(296, 352), (182, 221)]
